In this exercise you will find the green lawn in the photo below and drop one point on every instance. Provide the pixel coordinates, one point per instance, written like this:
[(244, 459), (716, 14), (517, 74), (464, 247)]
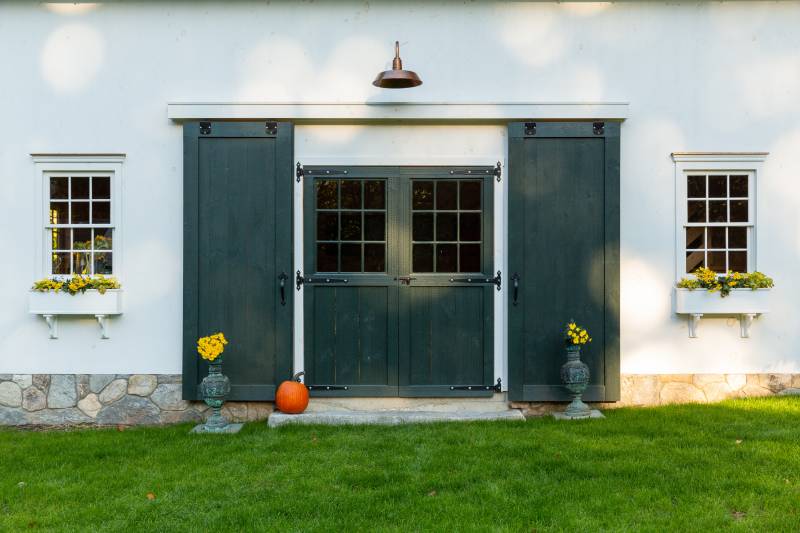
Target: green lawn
[(683, 468)]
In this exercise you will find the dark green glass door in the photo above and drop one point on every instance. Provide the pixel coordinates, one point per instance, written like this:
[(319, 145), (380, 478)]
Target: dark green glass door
[(396, 294)]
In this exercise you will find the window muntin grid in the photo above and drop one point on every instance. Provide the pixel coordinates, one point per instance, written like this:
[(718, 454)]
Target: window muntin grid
[(719, 220), (79, 224), (350, 225), (446, 225)]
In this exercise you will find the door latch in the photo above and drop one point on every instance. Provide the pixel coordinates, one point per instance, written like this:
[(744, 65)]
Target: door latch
[(405, 280)]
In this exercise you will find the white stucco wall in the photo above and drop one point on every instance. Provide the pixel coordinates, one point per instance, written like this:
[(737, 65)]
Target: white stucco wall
[(699, 77)]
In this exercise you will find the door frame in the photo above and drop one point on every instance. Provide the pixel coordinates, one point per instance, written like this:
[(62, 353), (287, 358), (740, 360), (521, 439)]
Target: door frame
[(497, 255)]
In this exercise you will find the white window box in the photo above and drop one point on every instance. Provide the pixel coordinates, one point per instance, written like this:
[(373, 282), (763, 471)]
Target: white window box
[(90, 303), (744, 303)]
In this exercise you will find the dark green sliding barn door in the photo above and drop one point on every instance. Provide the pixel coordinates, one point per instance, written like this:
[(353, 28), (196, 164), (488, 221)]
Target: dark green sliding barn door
[(563, 255), (238, 252), (397, 297)]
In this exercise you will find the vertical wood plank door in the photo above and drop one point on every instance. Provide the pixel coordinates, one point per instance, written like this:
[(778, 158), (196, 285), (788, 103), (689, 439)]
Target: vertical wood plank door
[(389, 308), (238, 253), (563, 255)]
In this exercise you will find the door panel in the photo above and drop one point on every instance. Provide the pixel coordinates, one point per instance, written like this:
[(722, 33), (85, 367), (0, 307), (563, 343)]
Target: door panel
[(563, 246), (237, 244)]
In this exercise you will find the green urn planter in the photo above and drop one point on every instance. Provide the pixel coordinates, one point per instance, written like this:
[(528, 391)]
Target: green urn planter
[(214, 388), (575, 376)]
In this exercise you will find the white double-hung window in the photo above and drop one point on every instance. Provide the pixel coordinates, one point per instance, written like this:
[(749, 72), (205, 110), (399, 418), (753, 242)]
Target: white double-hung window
[(716, 211), (80, 214)]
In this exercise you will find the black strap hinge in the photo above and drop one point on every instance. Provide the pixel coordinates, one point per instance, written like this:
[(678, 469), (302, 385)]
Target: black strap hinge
[(205, 128), (328, 387), (598, 128), (271, 128), (498, 172), (299, 172), (497, 387)]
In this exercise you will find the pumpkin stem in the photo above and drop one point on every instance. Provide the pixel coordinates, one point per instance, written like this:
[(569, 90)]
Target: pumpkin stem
[(296, 377)]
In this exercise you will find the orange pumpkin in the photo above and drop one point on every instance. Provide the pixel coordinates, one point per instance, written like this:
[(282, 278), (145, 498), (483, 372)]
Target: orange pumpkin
[(292, 396)]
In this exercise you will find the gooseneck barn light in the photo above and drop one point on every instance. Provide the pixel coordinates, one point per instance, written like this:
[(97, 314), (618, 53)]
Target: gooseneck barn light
[(397, 78)]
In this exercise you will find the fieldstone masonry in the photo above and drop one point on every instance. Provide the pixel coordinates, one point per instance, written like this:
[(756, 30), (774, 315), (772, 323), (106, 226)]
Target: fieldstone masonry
[(107, 400), (148, 399), (662, 389)]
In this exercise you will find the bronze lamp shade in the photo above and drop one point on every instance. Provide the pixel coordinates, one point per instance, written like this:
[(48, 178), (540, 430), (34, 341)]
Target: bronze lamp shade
[(397, 78)]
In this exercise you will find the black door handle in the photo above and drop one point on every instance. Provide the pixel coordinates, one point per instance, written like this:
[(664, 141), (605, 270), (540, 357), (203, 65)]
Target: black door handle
[(515, 280), (283, 277), (405, 279)]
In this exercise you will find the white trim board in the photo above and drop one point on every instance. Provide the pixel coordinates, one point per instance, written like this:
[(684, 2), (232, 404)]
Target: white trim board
[(388, 111)]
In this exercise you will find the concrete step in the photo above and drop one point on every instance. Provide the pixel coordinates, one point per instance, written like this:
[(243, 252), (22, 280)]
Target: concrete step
[(390, 418), (497, 402)]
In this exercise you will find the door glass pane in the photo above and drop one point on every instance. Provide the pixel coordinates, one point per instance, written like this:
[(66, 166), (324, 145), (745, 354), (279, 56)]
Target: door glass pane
[(446, 195), (327, 257), (695, 238), (351, 226), (446, 258), (718, 186), (470, 197), (80, 188), (422, 195), (422, 258), (737, 237), (422, 227), (716, 237), (327, 226), (101, 187), (351, 257), (374, 257), (738, 187), (59, 188), (446, 229), (694, 260), (717, 211), (696, 186), (374, 195), (470, 258), (374, 226), (697, 211), (470, 227), (327, 194), (351, 194)]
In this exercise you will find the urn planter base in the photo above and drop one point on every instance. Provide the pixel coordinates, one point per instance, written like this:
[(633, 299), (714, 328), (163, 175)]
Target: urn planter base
[(227, 428), (593, 413)]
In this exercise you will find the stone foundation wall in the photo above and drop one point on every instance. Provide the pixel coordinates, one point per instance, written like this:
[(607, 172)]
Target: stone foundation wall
[(107, 400), (662, 389), (148, 399)]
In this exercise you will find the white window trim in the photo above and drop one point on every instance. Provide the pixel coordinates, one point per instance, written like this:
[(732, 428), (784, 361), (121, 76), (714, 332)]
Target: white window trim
[(47, 164), (751, 163)]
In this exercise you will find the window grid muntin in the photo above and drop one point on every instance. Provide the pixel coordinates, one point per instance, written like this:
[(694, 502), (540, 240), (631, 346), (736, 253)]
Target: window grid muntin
[(94, 254), (339, 210), (435, 211), (706, 225)]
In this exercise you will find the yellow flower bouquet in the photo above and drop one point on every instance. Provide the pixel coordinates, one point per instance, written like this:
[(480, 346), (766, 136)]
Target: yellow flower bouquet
[(212, 346), (575, 335)]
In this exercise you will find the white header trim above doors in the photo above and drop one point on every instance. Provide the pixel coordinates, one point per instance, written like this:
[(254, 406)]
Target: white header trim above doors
[(377, 111)]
